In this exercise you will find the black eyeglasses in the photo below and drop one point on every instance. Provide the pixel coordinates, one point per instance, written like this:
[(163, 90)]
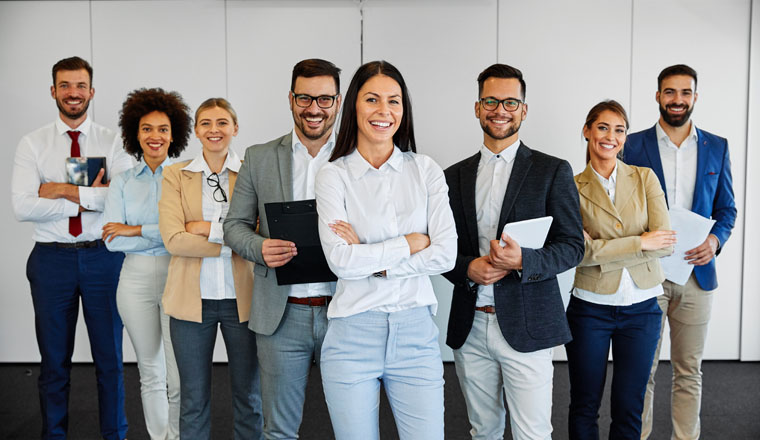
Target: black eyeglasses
[(213, 181), (323, 101), (490, 103)]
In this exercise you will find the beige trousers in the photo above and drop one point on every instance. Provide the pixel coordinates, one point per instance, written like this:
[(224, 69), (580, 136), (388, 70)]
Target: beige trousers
[(687, 309)]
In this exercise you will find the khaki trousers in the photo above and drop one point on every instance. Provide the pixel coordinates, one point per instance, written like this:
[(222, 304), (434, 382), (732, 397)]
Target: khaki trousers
[(687, 309)]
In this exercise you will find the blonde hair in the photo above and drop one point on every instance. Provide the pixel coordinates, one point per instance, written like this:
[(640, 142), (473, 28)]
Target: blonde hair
[(217, 102)]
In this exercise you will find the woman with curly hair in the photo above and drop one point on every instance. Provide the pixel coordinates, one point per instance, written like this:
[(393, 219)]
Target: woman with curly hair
[(209, 286), (155, 126)]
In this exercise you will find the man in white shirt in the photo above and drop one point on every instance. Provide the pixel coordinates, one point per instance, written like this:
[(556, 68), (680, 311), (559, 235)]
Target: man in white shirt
[(290, 321), (506, 310), (694, 169), (69, 261)]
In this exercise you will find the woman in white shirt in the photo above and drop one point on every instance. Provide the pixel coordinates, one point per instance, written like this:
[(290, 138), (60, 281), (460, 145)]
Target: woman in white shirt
[(208, 284), (626, 228), (385, 226), (155, 126)]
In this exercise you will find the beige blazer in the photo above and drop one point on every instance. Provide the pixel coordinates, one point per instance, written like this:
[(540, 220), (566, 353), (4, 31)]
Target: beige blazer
[(181, 202), (639, 207)]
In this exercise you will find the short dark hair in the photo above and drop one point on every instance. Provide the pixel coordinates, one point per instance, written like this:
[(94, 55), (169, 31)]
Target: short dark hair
[(72, 63), (501, 71), (315, 67), (593, 115), (345, 143), (139, 103), (676, 69)]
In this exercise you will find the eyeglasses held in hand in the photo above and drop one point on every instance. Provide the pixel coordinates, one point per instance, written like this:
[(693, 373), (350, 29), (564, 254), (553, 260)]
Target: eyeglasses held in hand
[(490, 103), (213, 181), (323, 101)]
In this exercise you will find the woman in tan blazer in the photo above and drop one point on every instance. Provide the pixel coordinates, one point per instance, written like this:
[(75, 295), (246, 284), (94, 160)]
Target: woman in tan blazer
[(208, 284), (614, 300)]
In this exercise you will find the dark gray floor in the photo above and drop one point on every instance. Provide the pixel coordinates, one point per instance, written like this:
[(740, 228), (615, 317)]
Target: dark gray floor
[(730, 409)]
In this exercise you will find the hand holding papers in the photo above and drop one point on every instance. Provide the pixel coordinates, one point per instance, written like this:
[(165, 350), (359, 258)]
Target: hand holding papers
[(528, 233), (692, 229)]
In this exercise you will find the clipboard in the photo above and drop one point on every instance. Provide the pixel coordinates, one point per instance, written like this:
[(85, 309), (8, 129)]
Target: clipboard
[(296, 221)]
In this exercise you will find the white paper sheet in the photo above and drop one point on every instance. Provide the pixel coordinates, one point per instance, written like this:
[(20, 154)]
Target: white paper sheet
[(529, 234), (691, 231)]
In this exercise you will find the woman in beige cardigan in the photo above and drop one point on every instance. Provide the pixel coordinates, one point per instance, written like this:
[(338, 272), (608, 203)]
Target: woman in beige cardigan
[(208, 285), (614, 299)]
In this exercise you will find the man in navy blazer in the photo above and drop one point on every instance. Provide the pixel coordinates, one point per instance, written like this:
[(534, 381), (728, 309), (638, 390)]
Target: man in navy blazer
[(694, 169), (506, 310)]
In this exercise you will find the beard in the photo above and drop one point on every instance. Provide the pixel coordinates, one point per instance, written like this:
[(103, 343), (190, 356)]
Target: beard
[(72, 115), (511, 130), (675, 120), (310, 133)]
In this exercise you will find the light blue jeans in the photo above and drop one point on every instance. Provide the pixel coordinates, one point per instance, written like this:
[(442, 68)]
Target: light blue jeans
[(399, 348), (285, 360)]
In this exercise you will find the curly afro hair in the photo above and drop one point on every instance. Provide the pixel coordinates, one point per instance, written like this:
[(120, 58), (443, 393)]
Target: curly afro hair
[(143, 101)]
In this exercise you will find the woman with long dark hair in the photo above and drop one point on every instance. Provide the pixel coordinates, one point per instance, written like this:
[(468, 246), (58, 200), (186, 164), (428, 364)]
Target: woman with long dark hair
[(385, 226)]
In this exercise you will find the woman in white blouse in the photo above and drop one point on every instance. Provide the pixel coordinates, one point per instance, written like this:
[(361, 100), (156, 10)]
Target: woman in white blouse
[(626, 227), (208, 285), (385, 226)]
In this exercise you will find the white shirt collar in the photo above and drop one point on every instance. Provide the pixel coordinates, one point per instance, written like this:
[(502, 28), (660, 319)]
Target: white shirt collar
[(508, 154), (358, 165), (661, 135), (142, 166), (328, 146), (198, 165), (83, 128), (612, 179)]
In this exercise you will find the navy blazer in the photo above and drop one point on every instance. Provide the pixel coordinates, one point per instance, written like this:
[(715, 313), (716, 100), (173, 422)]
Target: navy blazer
[(713, 189), (529, 309)]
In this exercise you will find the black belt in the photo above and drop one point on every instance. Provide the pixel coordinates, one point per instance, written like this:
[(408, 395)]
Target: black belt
[(75, 245)]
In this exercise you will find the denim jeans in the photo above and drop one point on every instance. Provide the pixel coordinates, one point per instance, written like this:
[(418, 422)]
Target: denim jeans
[(399, 348), (194, 348), (634, 331)]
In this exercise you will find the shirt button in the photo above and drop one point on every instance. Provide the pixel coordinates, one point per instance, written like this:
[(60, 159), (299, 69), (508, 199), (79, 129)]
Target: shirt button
[(618, 226)]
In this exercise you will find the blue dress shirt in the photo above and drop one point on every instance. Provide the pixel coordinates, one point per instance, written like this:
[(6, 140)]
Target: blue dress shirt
[(133, 200)]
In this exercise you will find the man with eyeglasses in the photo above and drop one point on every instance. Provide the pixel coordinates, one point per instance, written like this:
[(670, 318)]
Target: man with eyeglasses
[(289, 321), (694, 169), (69, 262), (506, 310)]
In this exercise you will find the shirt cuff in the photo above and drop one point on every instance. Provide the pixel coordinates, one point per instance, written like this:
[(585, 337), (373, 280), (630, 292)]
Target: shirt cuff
[(216, 234), (397, 249), (91, 199), (70, 209), (226, 252)]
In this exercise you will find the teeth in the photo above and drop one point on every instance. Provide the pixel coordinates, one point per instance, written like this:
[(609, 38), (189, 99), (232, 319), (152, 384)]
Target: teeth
[(314, 119), (499, 121), (381, 124), (214, 139), (608, 146)]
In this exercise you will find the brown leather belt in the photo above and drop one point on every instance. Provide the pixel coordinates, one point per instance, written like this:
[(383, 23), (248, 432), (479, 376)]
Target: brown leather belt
[(314, 301), (486, 309)]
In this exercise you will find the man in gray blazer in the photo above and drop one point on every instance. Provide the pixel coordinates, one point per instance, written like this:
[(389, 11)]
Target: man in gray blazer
[(289, 321)]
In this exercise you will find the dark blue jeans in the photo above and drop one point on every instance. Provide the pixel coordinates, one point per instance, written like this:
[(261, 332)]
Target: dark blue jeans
[(59, 278), (194, 348), (634, 331)]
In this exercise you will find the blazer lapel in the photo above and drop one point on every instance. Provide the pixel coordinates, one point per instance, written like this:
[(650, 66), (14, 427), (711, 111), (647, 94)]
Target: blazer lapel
[(193, 193), (593, 191), (624, 187), (467, 177), (285, 160), (520, 170), (652, 149), (703, 159)]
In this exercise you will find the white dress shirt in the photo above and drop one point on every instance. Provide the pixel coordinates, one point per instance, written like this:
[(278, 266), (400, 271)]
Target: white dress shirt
[(216, 278), (628, 293), (408, 193), (490, 187), (41, 158), (679, 167), (305, 170)]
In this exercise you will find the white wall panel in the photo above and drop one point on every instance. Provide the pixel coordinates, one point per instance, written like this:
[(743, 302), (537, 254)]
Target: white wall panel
[(27, 55), (713, 38), (439, 47), (572, 55), (266, 39), (750, 343)]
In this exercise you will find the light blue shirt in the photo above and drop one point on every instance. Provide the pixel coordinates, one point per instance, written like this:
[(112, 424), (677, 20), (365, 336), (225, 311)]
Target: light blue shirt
[(133, 200)]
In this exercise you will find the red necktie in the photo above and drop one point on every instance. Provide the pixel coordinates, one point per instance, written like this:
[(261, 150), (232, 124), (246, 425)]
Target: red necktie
[(75, 223)]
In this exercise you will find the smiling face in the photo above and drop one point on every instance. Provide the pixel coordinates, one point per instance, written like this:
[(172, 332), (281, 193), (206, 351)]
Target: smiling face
[(606, 136), (676, 98), (215, 129), (379, 111), (500, 127), (154, 134), (72, 93), (313, 122)]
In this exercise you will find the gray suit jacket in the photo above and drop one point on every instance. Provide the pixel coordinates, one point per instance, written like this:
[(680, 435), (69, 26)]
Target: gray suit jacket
[(266, 176)]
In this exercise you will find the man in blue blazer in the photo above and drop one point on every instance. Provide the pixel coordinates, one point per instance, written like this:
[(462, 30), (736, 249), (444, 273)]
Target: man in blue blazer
[(694, 169), (506, 310)]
